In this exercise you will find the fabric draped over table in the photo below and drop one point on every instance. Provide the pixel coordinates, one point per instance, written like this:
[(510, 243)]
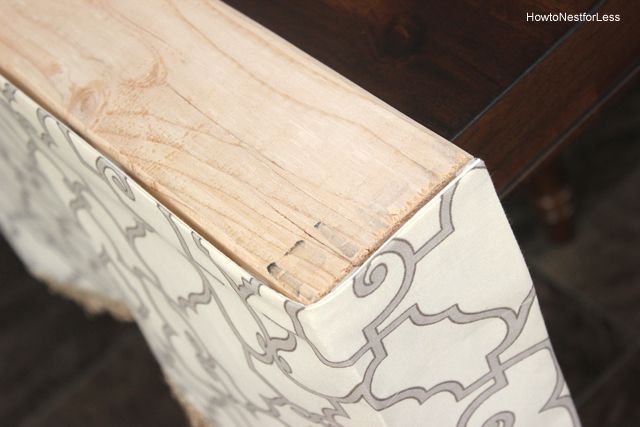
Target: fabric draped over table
[(439, 327)]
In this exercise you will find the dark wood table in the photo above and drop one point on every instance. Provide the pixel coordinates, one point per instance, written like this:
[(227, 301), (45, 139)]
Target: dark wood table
[(476, 72), (504, 89)]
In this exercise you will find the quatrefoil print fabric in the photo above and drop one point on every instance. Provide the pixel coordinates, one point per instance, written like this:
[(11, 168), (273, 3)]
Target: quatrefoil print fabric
[(440, 327)]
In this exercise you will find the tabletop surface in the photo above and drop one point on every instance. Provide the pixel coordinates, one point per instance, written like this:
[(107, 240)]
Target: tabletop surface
[(476, 72), (253, 143), (291, 170)]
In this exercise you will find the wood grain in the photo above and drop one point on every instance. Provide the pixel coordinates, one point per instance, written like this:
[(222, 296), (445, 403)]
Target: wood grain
[(476, 72), (441, 62), (288, 168), (564, 89)]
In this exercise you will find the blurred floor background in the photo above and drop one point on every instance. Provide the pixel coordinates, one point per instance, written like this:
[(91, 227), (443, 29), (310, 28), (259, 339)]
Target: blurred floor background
[(589, 287), (59, 367)]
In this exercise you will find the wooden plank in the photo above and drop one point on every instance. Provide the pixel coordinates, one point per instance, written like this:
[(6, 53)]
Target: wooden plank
[(504, 89), (439, 62), (290, 169)]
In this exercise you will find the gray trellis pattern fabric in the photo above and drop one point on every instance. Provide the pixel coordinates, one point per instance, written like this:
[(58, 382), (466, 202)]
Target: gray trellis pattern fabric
[(440, 327)]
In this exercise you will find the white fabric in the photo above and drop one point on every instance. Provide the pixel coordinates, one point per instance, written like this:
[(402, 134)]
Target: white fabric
[(440, 327)]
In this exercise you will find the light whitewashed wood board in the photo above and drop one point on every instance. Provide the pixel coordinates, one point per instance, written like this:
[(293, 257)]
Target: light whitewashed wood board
[(290, 169)]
